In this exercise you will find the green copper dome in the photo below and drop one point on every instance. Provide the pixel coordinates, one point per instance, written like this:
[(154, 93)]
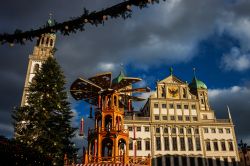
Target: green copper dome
[(197, 84), (118, 78)]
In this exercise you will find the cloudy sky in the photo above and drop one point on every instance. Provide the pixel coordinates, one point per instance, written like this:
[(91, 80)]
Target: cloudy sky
[(211, 35)]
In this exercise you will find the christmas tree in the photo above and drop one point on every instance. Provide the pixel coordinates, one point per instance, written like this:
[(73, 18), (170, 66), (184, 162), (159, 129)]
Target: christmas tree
[(45, 122)]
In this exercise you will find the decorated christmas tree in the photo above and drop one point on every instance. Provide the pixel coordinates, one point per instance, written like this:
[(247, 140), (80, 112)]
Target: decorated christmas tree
[(45, 122)]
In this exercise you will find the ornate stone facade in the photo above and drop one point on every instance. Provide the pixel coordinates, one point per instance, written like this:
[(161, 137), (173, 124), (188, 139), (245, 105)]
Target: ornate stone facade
[(178, 127)]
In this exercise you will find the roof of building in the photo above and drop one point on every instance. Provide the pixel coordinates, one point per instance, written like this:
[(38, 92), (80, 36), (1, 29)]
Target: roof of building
[(197, 84)]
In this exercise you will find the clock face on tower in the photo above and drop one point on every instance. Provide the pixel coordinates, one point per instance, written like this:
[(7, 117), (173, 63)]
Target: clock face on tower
[(173, 92)]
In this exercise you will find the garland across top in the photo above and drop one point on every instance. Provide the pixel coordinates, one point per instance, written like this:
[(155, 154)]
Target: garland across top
[(122, 9)]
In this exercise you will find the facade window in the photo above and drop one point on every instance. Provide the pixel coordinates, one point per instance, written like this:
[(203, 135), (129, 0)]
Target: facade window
[(130, 128), (173, 130), (189, 130), (213, 130), (198, 143), (182, 142), (36, 68), (171, 106), (165, 118), (187, 118), (139, 145), (146, 129), (165, 130), (130, 145), (216, 147), (196, 131), (178, 106), (185, 107), (157, 117), (51, 42), (157, 129), (225, 161), (138, 128), (147, 145), (223, 146), (205, 130), (172, 117), (195, 118), (208, 146), (190, 144), (231, 146), (180, 118), (181, 130), (158, 143), (193, 106), (174, 143), (205, 117), (163, 106), (156, 105), (202, 101), (166, 143), (228, 131), (220, 130)]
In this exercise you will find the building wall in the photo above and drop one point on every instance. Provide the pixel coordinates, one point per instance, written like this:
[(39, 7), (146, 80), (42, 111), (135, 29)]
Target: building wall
[(185, 116)]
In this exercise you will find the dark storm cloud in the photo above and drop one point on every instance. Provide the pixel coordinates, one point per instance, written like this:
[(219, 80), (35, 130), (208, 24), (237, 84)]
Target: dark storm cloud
[(237, 98)]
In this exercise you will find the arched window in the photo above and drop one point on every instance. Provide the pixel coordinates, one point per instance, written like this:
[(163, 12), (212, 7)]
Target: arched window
[(47, 41), (42, 42), (108, 122), (107, 147), (122, 149), (33, 80), (51, 42), (36, 68)]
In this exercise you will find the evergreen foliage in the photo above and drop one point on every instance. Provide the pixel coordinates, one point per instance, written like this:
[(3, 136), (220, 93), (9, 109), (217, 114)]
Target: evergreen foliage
[(44, 123)]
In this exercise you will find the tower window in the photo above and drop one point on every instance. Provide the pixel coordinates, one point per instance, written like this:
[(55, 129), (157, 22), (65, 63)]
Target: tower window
[(42, 42), (163, 106), (51, 42), (156, 105), (47, 41), (36, 68)]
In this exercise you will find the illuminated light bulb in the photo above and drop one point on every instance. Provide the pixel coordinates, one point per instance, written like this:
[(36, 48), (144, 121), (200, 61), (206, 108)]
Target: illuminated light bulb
[(85, 20), (66, 27), (128, 7), (11, 44), (24, 39), (104, 17)]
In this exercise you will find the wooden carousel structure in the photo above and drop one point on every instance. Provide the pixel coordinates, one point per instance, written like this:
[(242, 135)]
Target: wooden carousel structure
[(110, 99)]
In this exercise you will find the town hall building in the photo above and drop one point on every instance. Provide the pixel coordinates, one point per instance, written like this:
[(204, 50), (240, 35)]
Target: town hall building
[(178, 127)]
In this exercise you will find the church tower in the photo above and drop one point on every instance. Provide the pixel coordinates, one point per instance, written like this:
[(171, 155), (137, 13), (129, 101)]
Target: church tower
[(44, 48)]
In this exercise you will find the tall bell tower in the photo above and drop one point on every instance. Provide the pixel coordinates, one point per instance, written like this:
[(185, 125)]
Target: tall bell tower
[(44, 48)]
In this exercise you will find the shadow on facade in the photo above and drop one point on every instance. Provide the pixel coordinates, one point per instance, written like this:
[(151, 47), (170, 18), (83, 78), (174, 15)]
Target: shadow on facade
[(178, 160)]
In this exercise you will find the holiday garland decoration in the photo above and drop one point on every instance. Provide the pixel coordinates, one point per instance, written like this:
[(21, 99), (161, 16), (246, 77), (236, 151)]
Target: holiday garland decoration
[(122, 9)]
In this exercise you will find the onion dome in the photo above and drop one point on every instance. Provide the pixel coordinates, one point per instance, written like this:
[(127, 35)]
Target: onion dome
[(197, 84), (118, 78)]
